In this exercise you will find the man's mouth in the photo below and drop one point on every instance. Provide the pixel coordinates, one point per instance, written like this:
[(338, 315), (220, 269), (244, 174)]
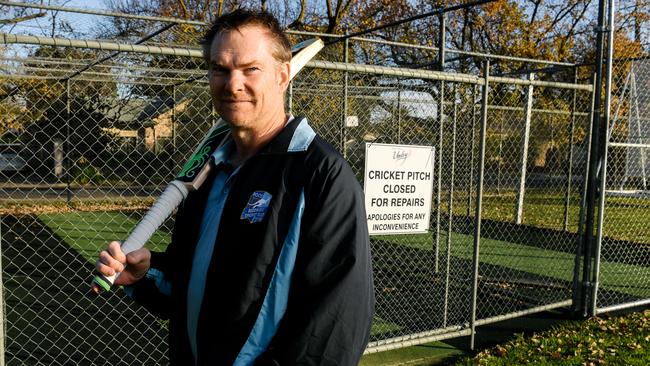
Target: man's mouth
[(230, 99)]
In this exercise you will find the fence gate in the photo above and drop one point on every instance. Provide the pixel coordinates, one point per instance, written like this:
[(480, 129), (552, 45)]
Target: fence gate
[(624, 268), (92, 145)]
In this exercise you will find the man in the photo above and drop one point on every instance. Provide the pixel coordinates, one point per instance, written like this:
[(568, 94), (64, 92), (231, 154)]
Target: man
[(269, 262)]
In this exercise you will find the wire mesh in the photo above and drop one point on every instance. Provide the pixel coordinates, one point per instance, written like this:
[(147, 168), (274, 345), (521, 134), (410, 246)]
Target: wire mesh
[(624, 277), (98, 147), (527, 257), (85, 153)]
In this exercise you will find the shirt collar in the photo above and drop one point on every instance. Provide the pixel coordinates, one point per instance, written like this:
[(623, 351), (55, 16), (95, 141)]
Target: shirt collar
[(224, 153)]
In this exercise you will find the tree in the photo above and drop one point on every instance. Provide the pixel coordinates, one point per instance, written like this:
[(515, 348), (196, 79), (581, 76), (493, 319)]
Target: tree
[(60, 108)]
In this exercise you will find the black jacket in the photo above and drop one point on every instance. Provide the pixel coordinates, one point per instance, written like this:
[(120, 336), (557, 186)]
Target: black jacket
[(312, 305)]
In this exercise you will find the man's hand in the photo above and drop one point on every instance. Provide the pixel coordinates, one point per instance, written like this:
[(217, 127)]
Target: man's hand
[(131, 267)]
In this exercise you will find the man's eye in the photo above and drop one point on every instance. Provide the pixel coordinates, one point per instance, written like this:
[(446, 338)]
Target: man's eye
[(252, 69)]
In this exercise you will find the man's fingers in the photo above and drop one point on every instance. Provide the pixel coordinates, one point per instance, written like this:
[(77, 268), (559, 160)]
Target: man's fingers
[(139, 256), (138, 263), (104, 269), (132, 266), (115, 250), (107, 264)]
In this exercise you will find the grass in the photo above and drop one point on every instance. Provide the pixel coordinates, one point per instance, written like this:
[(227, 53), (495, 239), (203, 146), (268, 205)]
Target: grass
[(624, 216), (621, 277), (623, 340), (90, 232)]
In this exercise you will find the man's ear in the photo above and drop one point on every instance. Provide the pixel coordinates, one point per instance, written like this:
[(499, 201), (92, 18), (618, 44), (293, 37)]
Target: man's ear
[(283, 75)]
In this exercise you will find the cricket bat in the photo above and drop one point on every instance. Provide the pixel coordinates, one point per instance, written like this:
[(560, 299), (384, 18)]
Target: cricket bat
[(193, 174)]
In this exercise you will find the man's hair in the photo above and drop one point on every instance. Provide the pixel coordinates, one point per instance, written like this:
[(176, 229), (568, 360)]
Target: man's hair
[(241, 18)]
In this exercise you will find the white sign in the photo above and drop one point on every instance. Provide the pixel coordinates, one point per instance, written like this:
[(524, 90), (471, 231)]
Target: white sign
[(398, 187), (351, 121)]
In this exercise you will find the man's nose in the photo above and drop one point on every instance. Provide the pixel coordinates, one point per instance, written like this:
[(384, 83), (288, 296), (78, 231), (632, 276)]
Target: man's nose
[(234, 81)]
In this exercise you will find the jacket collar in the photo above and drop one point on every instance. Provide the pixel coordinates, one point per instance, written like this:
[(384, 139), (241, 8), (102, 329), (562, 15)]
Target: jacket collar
[(296, 136)]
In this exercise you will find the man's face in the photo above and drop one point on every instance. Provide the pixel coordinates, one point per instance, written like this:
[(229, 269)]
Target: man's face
[(246, 82)]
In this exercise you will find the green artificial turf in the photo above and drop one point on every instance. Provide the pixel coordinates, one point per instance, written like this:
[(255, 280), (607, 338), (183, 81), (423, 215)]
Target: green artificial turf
[(621, 277), (625, 217), (90, 232)]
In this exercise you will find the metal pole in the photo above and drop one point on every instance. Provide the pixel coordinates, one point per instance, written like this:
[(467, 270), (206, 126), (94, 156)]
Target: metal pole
[(470, 178), (519, 208), (173, 154), (593, 164), (479, 202), (345, 101), (68, 190), (442, 41), (2, 305), (399, 114), (567, 195), (500, 155), (451, 204), (635, 97), (174, 120), (578, 296), (441, 108), (603, 164)]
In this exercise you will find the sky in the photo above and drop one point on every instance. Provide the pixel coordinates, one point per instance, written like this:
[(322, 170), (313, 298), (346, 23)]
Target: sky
[(80, 22)]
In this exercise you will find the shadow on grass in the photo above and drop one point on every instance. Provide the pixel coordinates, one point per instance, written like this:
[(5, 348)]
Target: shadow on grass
[(51, 316)]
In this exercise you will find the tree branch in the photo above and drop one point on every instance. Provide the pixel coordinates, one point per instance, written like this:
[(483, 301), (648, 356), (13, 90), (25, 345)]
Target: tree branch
[(22, 19)]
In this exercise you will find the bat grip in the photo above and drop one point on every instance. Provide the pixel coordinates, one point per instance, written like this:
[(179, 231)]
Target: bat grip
[(171, 197)]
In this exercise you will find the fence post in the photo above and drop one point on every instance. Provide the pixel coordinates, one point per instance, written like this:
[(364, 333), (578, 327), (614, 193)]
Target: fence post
[(441, 108), (521, 191), (173, 160), (399, 113), (451, 203), (174, 119), (587, 289), (479, 201), (2, 305), (578, 296), (567, 195), (470, 178), (642, 153), (603, 163), (67, 146), (345, 100)]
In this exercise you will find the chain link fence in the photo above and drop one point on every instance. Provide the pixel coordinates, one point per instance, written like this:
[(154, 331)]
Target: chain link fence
[(89, 145), (624, 275)]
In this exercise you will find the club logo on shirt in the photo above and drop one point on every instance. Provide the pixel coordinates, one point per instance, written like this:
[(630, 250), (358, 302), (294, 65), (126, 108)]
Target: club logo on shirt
[(256, 207)]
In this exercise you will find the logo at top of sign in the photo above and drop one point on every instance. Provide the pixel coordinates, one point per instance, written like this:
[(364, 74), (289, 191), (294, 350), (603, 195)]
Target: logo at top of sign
[(400, 155)]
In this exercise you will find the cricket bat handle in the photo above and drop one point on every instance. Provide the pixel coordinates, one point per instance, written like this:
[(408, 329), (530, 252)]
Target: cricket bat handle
[(171, 197)]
